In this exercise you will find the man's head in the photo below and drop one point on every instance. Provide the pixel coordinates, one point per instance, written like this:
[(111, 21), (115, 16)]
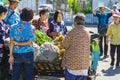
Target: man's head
[(102, 9), (79, 19), (13, 4)]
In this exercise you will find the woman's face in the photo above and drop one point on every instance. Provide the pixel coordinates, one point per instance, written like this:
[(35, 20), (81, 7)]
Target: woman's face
[(116, 20), (3, 16), (13, 5), (59, 17), (45, 16)]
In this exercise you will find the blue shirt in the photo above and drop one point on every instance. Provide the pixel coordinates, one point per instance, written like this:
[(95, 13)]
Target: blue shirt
[(58, 27), (23, 32), (103, 19), (12, 17)]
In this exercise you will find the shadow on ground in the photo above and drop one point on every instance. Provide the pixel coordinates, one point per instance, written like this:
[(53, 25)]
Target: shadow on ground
[(111, 72)]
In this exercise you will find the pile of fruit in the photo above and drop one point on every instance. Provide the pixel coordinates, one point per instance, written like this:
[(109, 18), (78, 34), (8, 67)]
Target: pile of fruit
[(58, 40)]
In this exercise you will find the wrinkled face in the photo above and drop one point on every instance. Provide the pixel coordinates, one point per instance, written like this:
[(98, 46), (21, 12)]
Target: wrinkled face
[(13, 5), (45, 16), (102, 9), (59, 17), (3, 15), (116, 19)]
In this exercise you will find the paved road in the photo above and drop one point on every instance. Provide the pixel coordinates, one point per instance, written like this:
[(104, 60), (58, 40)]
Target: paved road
[(104, 71)]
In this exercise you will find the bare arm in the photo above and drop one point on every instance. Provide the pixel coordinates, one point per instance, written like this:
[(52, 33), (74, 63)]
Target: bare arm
[(107, 39), (11, 46), (112, 11), (94, 11), (23, 43), (11, 58)]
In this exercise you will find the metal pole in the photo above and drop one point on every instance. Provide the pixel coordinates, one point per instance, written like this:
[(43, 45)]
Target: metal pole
[(36, 6)]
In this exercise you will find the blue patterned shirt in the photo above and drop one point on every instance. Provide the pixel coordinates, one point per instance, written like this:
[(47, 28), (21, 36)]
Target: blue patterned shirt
[(23, 32), (58, 27), (12, 17)]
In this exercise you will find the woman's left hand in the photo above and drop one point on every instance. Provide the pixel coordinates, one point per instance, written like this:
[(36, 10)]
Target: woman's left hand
[(11, 59), (14, 42)]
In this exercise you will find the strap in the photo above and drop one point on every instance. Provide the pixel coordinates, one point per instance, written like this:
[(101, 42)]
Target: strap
[(11, 14), (9, 17)]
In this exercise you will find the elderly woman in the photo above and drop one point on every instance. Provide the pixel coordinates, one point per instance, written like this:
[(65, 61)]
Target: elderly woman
[(22, 36), (42, 22), (113, 35), (57, 26), (77, 45)]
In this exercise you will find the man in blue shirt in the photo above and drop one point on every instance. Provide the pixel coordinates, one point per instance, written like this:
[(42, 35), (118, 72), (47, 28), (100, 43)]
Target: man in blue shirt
[(12, 16), (103, 18)]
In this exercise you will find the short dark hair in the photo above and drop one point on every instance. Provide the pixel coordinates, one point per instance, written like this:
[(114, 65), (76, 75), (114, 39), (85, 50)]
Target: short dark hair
[(26, 14), (14, 1), (79, 18), (101, 8), (56, 14), (3, 9), (43, 11)]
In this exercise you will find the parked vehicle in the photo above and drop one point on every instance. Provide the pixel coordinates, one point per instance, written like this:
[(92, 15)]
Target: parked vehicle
[(46, 6)]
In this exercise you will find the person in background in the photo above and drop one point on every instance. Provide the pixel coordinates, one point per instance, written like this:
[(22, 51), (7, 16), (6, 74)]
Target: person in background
[(57, 26), (76, 59), (42, 23), (22, 36), (116, 6), (3, 14), (103, 18), (13, 15), (113, 35)]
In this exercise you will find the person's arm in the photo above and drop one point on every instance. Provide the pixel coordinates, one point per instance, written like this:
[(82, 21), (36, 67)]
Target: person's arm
[(112, 11), (94, 11), (108, 34), (66, 42), (107, 39), (23, 43), (11, 58), (11, 47)]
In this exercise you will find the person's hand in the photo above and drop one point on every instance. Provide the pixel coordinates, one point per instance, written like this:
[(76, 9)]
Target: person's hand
[(55, 33), (107, 41), (11, 59), (15, 43)]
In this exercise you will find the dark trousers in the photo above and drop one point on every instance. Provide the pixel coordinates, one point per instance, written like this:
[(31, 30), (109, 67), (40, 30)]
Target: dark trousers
[(23, 60), (101, 45), (113, 48), (4, 66), (69, 76)]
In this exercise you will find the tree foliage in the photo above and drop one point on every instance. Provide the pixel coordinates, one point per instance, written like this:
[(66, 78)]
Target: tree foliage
[(5, 2), (74, 6)]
